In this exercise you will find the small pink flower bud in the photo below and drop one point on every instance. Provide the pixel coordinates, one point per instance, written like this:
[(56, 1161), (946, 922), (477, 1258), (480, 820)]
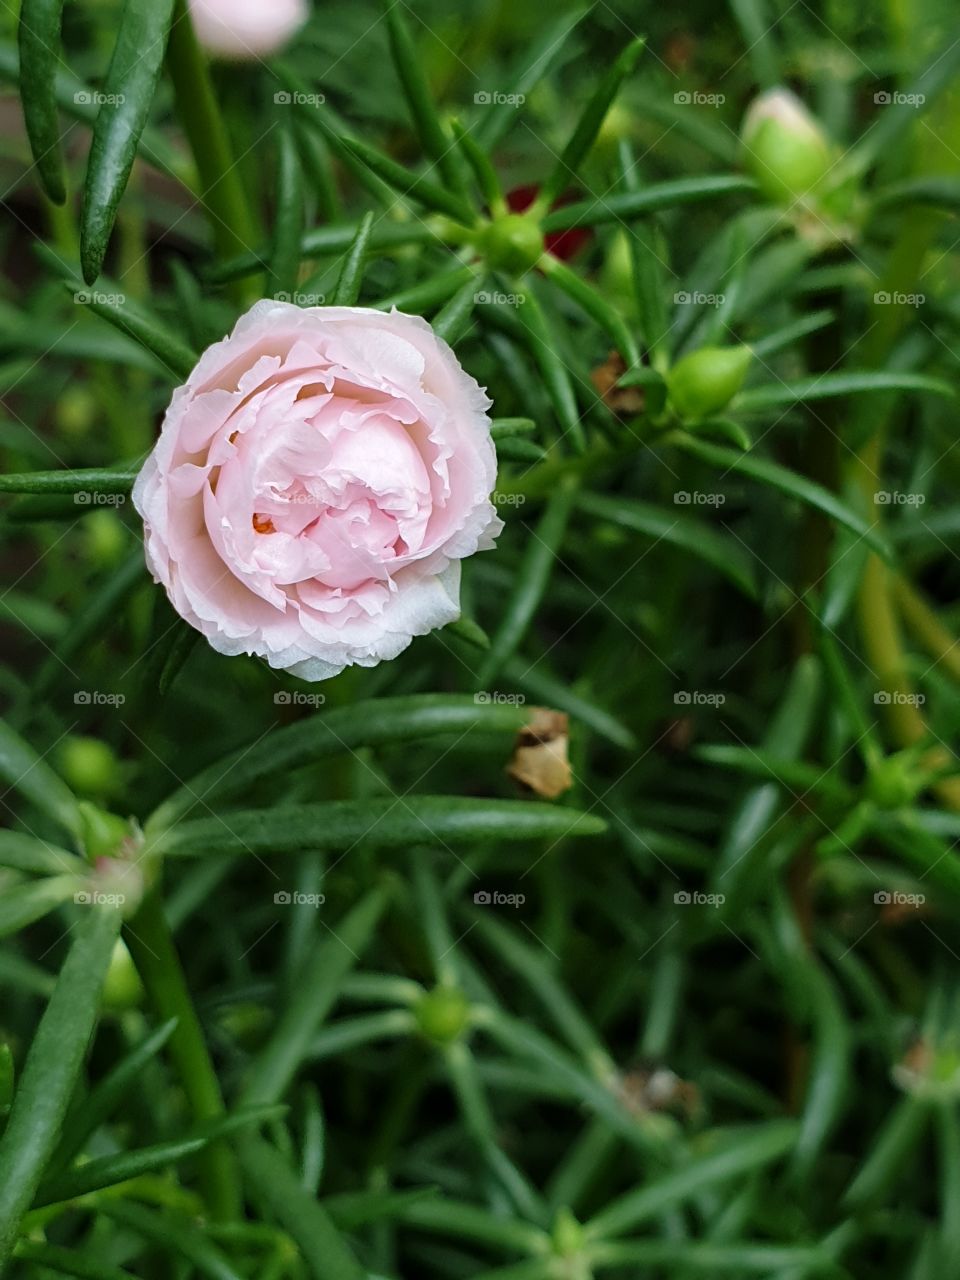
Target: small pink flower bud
[(242, 29)]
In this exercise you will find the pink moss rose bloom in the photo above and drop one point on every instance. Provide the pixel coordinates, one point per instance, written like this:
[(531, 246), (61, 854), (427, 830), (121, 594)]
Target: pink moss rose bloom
[(246, 28), (316, 483)]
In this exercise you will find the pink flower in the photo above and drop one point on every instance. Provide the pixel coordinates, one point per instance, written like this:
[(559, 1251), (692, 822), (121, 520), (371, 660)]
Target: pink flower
[(246, 28), (316, 484)]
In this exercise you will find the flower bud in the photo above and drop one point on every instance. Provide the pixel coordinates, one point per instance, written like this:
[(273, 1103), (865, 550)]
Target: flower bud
[(568, 1237), (705, 381), (513, 243), (88, 766), (76, 411), (122, 988), (246, 29), (895, 781), (104, 834), (785, 149), (442, 1014), (105, 537)]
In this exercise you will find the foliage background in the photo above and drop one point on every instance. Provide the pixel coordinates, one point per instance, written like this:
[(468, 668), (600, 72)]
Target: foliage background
[(616, 1077)]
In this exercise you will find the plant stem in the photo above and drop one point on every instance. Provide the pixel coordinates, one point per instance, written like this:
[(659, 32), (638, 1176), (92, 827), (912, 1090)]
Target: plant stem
[(222, 192), (922, 620), (151, 945)]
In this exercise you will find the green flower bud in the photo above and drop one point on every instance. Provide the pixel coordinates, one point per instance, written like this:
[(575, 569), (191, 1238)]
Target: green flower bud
[(442, 1014), (105, 536), (568, 1237), (513, 243), (785, 149), (76, 411), (89, 766), (705, 381), (122, 988), (894, 781), (104, 834)]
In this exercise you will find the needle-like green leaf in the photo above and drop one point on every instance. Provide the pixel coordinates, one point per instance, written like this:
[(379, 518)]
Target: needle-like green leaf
[(567, 167), (624, 205), (433, 136), (25, 771), (382, 823), (51, 1069), (289, 217), (351, 273), (125, 104), (39, 40)]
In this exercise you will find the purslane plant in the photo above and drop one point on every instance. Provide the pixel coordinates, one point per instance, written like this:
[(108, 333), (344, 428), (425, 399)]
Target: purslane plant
[(332, 996)]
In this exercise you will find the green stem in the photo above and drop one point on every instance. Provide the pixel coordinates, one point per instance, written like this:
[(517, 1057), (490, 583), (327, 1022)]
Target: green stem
[(938, 640), (151, 945), (222, 192)]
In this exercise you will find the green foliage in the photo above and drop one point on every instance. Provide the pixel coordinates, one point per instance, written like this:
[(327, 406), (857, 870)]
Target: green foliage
[(329, 981)]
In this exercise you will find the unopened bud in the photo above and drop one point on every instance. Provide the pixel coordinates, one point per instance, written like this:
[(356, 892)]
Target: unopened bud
[(513, 243), (442, 1014), (785, 149), (705, 381)]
